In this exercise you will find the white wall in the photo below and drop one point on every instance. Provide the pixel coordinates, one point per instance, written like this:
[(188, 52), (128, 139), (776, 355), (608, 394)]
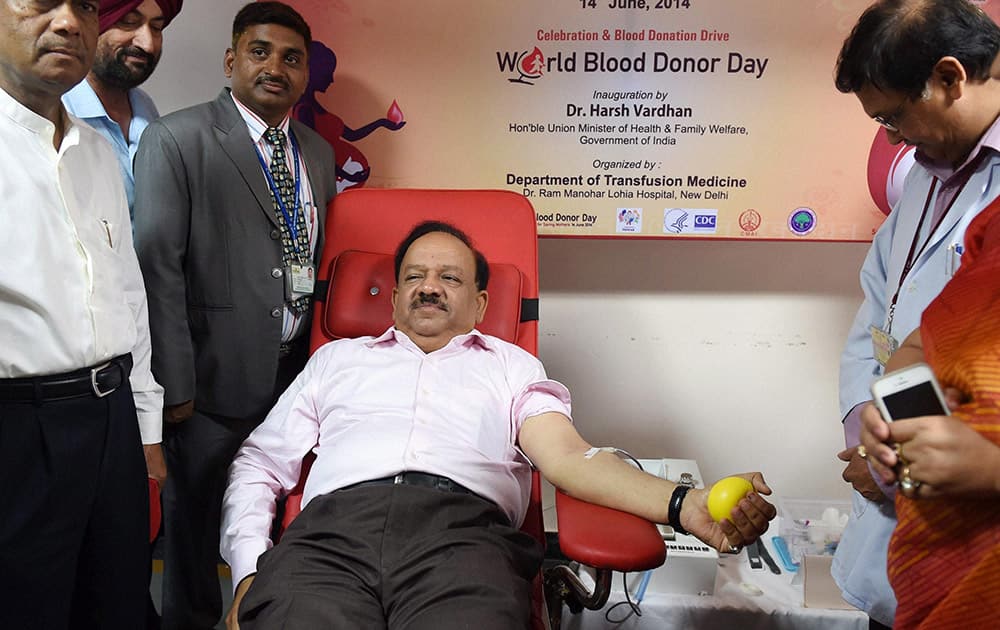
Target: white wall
[(725, 352)]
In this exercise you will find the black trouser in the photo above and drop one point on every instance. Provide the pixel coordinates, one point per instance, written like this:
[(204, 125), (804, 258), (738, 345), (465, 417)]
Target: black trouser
[(396, 556), (74, 517), (198, 453)]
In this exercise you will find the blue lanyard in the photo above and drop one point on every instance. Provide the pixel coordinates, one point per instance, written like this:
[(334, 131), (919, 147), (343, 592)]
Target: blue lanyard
[(290, 221)]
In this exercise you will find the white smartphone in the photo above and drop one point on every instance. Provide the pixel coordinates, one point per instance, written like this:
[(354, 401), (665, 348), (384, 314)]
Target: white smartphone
[(908, 393)]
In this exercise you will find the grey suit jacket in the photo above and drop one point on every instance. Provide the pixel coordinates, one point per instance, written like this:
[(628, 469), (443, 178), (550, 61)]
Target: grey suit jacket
[(208, 242)]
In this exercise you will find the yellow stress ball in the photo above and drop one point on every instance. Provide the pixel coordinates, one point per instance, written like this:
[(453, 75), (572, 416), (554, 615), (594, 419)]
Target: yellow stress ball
[(724, 496)]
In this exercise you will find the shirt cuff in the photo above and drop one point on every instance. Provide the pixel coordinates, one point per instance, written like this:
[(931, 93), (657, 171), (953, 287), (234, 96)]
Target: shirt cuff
[(244, 560), (150, 427), (852, 426)]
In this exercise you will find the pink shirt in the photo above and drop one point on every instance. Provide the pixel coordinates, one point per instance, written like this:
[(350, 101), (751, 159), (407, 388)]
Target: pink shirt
[(374, 407)]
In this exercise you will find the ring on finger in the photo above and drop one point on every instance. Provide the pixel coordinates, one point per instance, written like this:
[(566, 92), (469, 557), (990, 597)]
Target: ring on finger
[(904, 473), (862, 451), (907, 484)]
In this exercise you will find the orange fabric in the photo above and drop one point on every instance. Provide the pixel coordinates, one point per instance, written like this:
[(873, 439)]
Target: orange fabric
[(944, 557)]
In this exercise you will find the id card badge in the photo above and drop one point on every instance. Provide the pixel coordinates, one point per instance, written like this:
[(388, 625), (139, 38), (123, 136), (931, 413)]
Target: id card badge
[(954, 258), (301, 279), (883, 345)]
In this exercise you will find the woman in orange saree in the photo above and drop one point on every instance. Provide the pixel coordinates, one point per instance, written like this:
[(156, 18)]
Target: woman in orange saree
[(944, 557)]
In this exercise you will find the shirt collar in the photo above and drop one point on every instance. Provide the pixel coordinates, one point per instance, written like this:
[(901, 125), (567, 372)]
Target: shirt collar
[(943, 171), (39, 125), (84, 102), (255, 123), (393, 335)]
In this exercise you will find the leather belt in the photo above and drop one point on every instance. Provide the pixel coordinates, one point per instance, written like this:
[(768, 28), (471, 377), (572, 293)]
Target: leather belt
[(290, 347), (97, 381), (424, 480)]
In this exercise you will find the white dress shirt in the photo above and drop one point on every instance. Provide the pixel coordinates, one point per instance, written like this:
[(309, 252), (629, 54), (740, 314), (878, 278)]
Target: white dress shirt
[(71, 294), (377, 406)]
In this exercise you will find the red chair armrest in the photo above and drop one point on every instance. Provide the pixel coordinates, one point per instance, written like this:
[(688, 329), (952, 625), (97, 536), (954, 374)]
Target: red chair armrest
[(604, 538)]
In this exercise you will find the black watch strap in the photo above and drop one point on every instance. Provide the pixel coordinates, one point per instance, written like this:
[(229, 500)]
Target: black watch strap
[(674, 510)]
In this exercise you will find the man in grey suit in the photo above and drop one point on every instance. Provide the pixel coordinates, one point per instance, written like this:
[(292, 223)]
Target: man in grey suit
[(230, 200)]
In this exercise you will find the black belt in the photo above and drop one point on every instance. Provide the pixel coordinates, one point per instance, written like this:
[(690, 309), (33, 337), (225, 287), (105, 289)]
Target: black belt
[(97, 381), (424, 480), (291, 347)]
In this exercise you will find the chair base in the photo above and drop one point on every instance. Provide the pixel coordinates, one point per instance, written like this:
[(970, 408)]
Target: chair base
[(562, 585)]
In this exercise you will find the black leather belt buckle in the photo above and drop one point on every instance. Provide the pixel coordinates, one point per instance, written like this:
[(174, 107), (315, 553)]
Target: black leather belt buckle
[(95, 385), (98, 381), (105, 379)]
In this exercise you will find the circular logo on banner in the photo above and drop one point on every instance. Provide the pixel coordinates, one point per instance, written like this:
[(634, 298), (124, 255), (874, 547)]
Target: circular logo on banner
[(749, 220), (675, 220), (802, 221)]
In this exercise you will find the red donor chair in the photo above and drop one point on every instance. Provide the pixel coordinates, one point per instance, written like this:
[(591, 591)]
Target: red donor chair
[(354, 286)]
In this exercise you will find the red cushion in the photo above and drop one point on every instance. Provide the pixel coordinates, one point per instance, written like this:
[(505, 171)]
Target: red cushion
[(359, 297), (605, 538), (504, 309)]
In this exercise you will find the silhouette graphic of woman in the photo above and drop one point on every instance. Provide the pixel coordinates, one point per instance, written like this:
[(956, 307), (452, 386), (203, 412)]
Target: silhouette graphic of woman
[(352, 165)]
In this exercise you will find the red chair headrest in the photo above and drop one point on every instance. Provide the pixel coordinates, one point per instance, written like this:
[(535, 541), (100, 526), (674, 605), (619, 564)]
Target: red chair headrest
[(359, 297)]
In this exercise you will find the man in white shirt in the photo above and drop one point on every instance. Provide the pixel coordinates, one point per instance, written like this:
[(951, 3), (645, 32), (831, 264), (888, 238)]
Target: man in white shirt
[(424, 440), (77, 399), (109, 99)]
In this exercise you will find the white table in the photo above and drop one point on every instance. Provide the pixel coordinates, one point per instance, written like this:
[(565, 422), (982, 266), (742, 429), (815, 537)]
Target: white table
[(777, 607)]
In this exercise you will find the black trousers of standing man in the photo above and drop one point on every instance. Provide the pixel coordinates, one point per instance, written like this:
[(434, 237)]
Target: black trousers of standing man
[(74, 504)]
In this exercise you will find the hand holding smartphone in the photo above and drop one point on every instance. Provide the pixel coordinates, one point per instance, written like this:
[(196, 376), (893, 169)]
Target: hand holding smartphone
[(909, 393)]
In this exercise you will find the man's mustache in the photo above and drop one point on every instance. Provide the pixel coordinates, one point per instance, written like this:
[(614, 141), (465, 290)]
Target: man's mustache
[(432, 299), (135, 51), (267, 78)]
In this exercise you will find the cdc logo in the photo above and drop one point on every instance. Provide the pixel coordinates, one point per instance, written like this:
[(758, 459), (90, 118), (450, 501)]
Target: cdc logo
[(705, 222), (690, 220)]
